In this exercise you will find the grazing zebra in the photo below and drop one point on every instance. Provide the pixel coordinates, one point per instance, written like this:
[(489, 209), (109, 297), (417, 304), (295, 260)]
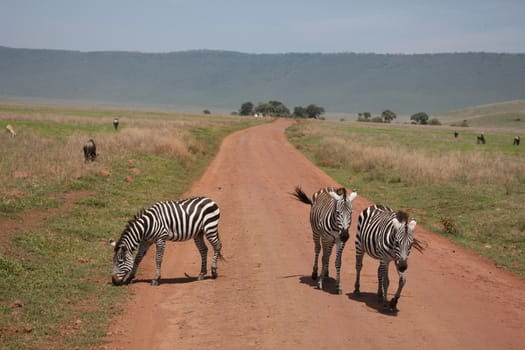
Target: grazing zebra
[(516, 141), (181, 220), (330, 218), (90, 151), (115, 123), (387, 236)]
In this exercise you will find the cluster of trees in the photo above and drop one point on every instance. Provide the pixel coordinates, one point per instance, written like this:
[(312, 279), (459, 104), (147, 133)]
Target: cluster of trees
[(387, 116), (278, 109)]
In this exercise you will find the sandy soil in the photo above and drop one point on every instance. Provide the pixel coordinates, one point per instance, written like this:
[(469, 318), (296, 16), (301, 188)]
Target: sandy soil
[(264, 297)]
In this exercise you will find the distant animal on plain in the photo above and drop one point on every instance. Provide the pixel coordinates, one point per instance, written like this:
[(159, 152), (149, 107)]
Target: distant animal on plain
[(456, 134), (115, 123), (9, 128), (481, 139), (516, 141), (90, 151)]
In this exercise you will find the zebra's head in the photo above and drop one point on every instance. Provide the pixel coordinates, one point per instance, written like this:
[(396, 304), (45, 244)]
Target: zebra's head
[(404, 238), (343, 211), (122, 263)]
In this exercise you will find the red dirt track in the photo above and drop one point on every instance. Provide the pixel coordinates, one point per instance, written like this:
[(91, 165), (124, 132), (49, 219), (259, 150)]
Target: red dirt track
[(264, 297)]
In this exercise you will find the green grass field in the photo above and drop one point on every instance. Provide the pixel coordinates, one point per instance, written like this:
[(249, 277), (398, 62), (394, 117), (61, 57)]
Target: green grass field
[(55, 290), (471, 193)]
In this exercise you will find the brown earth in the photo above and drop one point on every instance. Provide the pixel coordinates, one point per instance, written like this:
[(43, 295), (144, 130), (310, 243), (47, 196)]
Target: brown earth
[(264, 297)]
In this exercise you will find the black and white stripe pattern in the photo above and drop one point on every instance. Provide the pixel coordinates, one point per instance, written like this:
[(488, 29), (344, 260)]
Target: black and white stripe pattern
[(387, 236), (330, 219), (191, 218)]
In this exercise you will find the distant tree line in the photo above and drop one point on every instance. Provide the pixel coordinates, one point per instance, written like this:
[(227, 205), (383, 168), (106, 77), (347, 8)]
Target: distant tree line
[(387, 116), (278, 109)]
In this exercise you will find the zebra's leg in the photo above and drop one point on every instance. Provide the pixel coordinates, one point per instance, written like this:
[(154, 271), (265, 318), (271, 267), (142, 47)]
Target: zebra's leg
[(327, 251), (382, 292), (143, 249), (402, 281), (217, 246), (317, 250), (358, 266), (203, 250), (160, 245), (340, 247)]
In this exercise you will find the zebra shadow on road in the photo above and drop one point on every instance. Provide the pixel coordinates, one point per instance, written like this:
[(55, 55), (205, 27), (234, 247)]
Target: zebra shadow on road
[(329, 284), (173, 280), (371, 300)]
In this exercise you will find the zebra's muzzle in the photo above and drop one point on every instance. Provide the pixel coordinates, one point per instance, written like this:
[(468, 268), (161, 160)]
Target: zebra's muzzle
[(116, 280), (402, 265)]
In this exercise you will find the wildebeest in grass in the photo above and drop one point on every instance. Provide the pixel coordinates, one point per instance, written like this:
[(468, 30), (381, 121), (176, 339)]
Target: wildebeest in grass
[(481, 139), (516, 141), (456, 134), (90, 151)]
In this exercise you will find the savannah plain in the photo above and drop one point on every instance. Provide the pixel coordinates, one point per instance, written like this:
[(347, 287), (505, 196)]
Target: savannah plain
[(57, 214)]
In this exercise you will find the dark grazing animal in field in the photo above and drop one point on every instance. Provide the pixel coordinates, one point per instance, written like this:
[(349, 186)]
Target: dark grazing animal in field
[(330, 219), (481, 139), (115, 123), (90, 151), (516, 141), (456, 134)]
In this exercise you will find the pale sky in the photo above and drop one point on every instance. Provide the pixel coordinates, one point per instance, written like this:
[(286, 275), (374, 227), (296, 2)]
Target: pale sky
[(265, 26)]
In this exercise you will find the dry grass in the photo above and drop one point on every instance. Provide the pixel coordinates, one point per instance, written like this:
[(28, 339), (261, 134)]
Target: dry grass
[(420, 165), (32, 158)]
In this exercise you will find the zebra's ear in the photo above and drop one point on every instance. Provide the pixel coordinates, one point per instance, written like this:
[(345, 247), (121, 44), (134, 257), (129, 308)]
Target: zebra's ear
[(412, 226), (112, 243), (335, 196), (352, 196), (397, 224)]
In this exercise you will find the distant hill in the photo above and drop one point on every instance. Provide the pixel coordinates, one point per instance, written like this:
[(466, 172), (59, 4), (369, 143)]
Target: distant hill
[(345, 82), (509, 114)]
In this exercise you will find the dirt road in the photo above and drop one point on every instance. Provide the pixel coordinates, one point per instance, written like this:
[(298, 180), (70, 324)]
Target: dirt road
[(264, 297)]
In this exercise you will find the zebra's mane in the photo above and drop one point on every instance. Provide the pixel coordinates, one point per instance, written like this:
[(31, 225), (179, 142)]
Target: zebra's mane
[(128, 226), (402, 216)]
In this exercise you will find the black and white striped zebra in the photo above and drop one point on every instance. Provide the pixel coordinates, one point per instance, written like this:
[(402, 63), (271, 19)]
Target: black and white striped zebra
[(192, 218), (330, 219), (387, 236)]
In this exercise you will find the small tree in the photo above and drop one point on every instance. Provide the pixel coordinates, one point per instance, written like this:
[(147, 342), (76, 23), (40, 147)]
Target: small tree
[(388, 115), (246, 108), (314, 111), (364, 117), (420, 118), (299, 112)]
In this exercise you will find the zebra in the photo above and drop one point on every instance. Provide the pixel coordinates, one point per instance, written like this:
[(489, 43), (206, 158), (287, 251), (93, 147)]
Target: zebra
[(115, 123), (330, 219), (191, 218), (90, 151), (516, 141), (387, 236)]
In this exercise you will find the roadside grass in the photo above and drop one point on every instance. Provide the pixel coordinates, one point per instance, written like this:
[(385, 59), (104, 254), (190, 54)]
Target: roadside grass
[(55, 290), (471, 193)]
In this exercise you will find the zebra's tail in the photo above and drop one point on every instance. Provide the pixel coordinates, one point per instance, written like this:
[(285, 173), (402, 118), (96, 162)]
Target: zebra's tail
[(419, 245), (301, 196)]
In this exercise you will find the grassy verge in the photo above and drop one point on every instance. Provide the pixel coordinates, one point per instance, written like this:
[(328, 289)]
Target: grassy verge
[(471, 193), (55, 290)]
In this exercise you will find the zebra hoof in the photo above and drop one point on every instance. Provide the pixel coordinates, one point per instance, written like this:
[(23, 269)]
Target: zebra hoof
[(314, 275), (201, 277), (393, 304), (154, 282), (339, 291), (214, 275)]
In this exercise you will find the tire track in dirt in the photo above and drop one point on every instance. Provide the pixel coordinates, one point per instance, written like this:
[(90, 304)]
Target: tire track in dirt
[(264, 297)]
